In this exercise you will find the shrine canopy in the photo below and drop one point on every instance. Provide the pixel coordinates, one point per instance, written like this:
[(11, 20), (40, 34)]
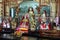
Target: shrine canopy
[(45, 8), (26, 4)]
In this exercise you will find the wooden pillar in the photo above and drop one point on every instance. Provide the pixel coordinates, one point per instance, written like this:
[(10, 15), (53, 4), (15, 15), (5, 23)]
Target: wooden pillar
[(0, 9), (58, 7), (3, 8), (53, 9)]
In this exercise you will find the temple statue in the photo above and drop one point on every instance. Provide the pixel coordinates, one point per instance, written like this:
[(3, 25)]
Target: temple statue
[(44, 21), (4, 23), (23, 27), (43, 16), (32, 19), (25, 22)]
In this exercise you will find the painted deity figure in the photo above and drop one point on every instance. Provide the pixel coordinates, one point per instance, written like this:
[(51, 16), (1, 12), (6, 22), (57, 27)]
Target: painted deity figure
[(43, 16), (23, 27), (56, 20), (24, 24), (44, 21), (31, 19), (6, 23)]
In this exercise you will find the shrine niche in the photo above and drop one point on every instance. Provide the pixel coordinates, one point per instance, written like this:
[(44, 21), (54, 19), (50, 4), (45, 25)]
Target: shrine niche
[(25, 5)]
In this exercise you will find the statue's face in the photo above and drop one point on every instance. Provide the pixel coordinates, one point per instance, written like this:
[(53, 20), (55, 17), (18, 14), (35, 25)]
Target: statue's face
[(51, 20), (30, 9), (41, 22)]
